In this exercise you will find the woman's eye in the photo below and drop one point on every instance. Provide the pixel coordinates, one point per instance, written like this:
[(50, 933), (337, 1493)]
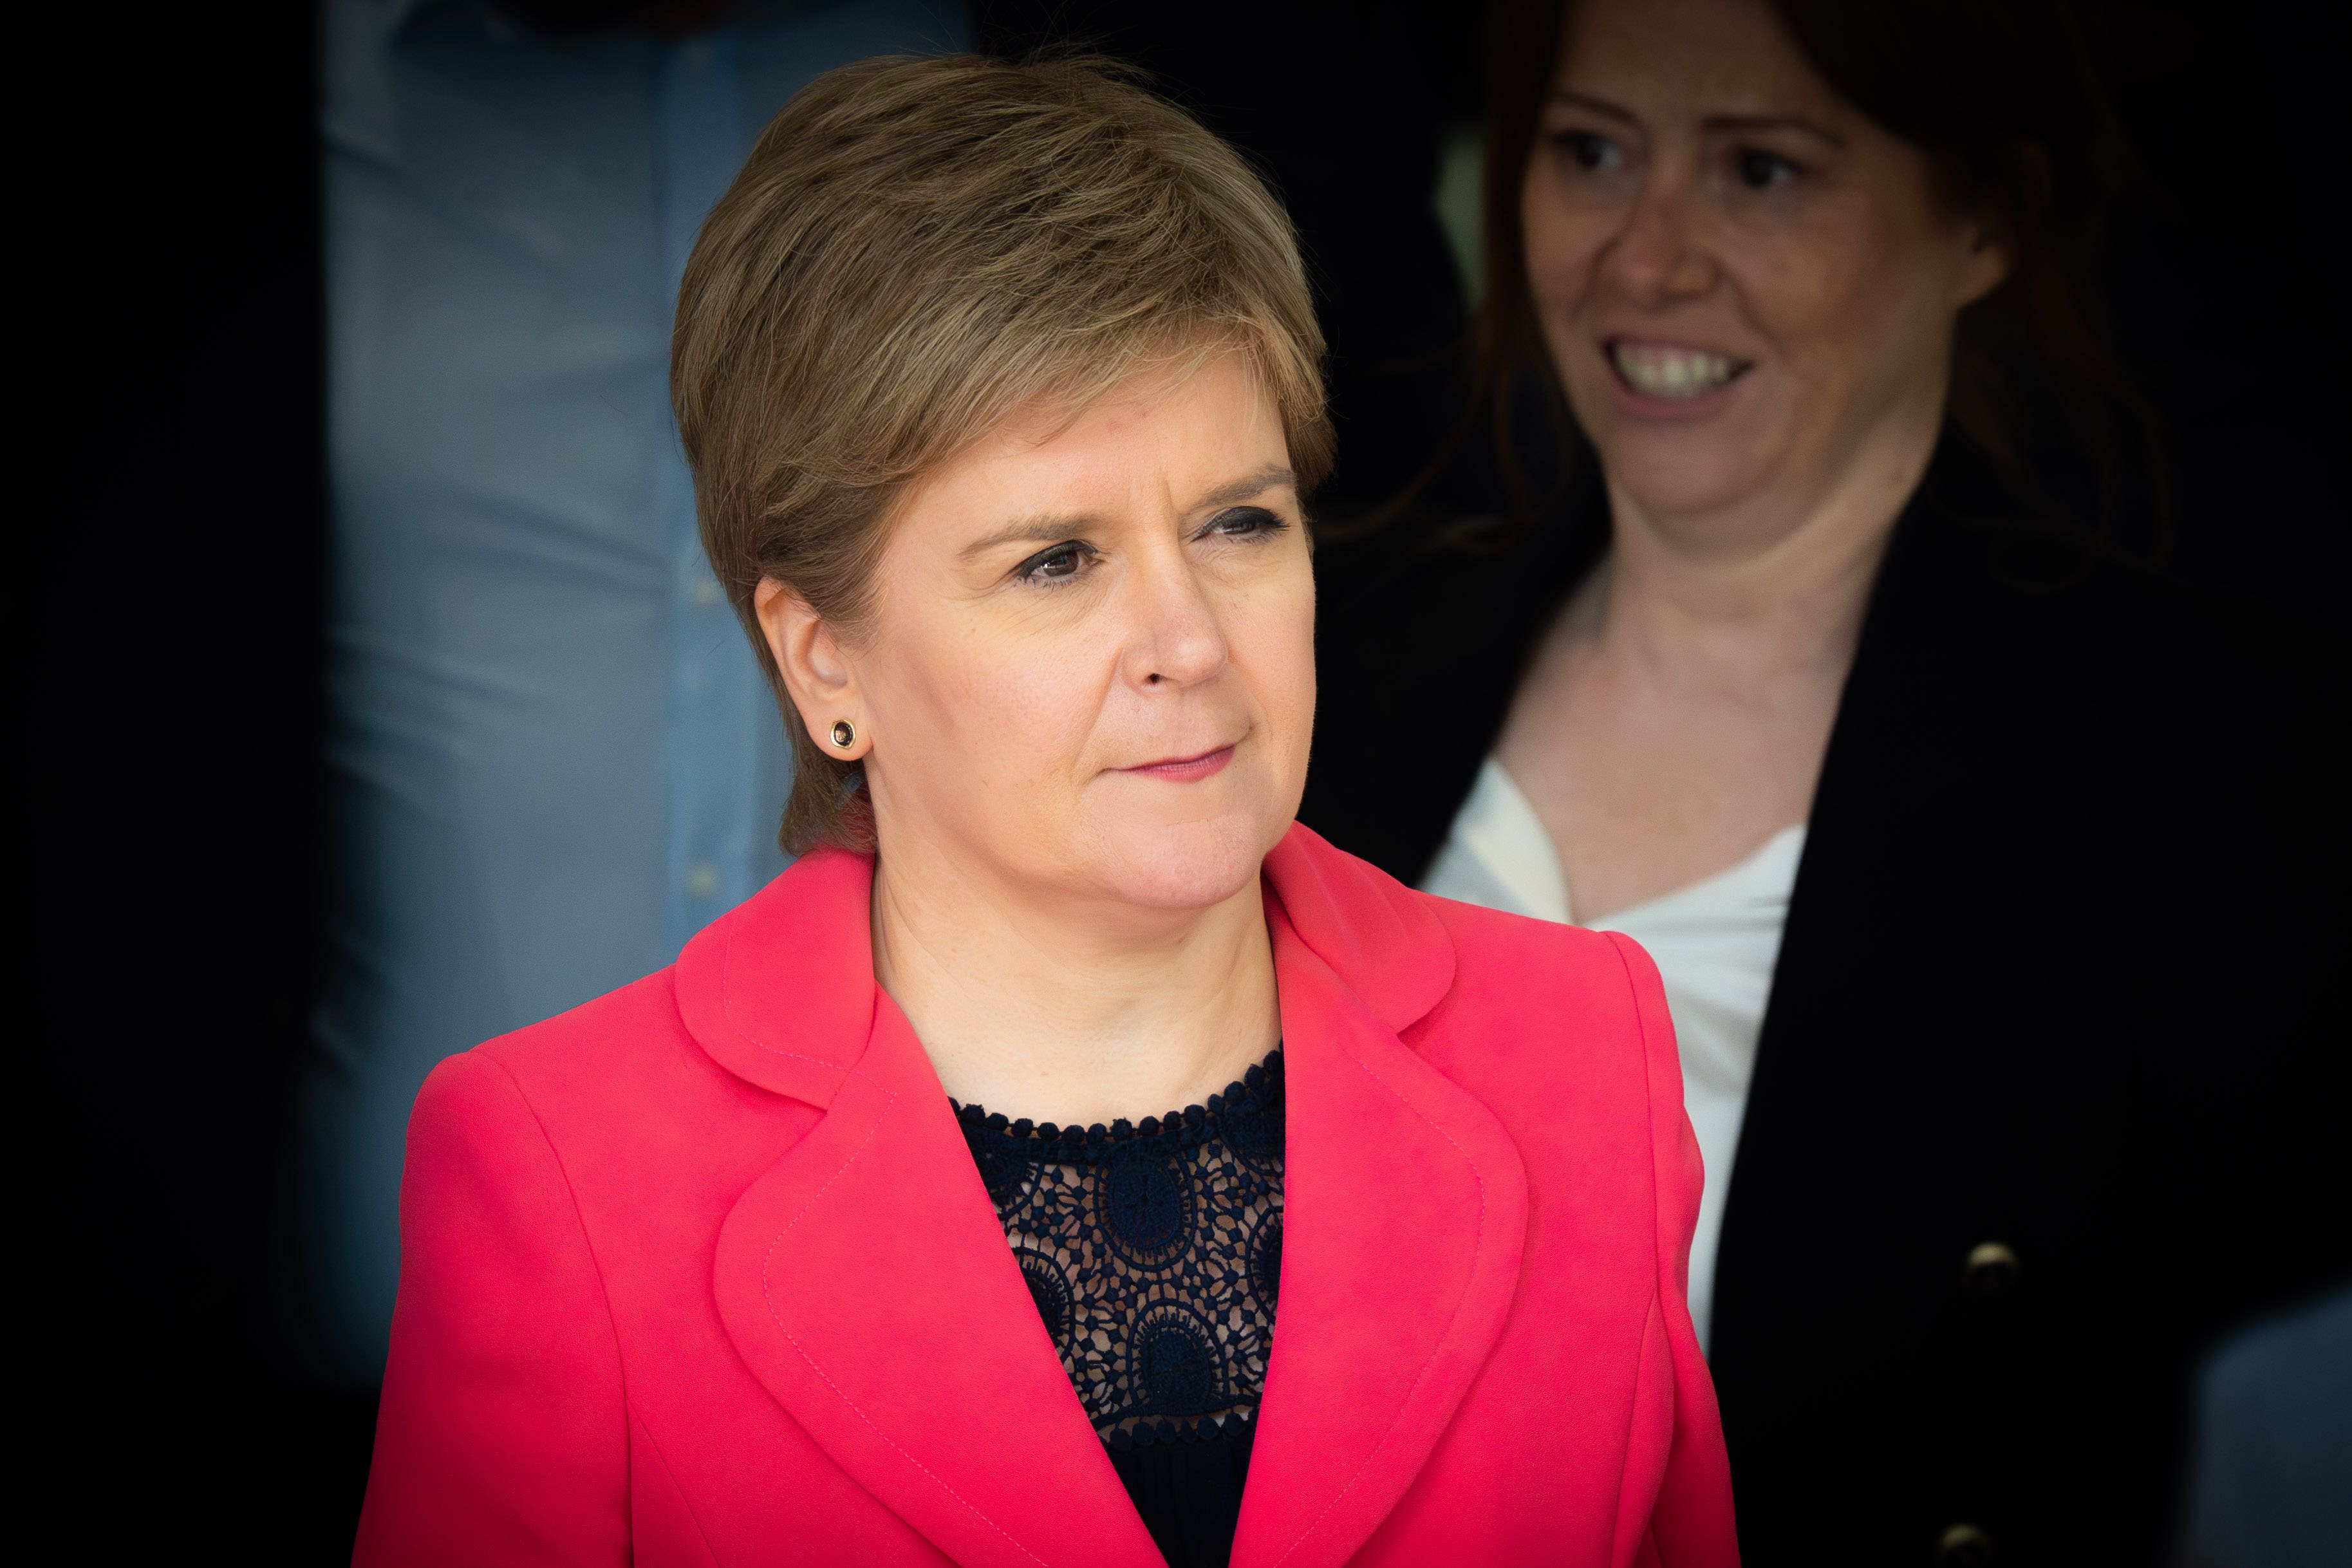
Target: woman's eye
[(1761, 171), (1063, 560), (1244, 522), (1589, 152)]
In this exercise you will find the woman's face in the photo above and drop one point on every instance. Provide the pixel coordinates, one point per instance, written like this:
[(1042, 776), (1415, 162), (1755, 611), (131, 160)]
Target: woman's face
[(1090, 670), (1740, 278)]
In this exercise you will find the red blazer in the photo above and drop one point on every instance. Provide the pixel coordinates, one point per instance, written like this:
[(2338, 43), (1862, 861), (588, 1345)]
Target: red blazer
[(702, 1272)]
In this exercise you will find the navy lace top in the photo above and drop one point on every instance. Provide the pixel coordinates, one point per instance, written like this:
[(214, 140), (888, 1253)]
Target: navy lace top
[(1154, 1254)]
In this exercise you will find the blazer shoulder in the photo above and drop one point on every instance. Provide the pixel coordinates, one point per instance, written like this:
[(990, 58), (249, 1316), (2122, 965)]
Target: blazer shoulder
[(595, 1039), (1494, 947), (1587, 1003), (1563, 1033), (625, 1098)]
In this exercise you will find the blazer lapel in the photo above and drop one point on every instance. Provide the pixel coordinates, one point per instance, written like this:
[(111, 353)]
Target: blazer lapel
[(864, 1276), (1406, 1218), (1926, 926)]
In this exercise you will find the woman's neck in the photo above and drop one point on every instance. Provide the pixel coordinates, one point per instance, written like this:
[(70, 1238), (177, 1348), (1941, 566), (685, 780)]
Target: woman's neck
[(1740, 600), (1676, 715), (1065, 1010)]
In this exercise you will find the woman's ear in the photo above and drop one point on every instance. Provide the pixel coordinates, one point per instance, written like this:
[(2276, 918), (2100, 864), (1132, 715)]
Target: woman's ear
[(1993, 233), (817, 671), (1987, 263)]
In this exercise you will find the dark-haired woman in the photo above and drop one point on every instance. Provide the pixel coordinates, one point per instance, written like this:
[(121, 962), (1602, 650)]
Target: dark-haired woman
[(1988, 877)]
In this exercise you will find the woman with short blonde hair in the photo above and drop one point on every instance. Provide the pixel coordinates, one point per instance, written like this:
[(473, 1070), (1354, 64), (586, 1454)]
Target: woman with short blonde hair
[(866, 1232)]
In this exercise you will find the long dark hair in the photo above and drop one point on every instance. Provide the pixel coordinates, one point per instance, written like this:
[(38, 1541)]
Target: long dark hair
[(2005, 97)]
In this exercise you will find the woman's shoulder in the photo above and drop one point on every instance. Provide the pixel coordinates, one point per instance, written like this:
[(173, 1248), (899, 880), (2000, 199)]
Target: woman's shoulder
[(1415, 954), (1481, 994), (1510, 950), (2195, 691), (615, 1071), (2074, 599), (1563, 1034), (604, 1038), (2207, 655), (1583, 997)]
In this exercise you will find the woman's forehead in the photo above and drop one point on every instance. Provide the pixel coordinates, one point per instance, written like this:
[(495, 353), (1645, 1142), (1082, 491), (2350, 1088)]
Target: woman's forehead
[(1206, 430), (1706, 57)]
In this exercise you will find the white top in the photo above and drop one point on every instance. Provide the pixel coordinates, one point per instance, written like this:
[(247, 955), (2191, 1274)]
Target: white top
[(1714, 943)]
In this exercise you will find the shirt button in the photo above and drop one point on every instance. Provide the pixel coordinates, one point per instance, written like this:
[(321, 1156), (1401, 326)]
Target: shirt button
[(702, 878), (1989, 1273), (1963, 1546)]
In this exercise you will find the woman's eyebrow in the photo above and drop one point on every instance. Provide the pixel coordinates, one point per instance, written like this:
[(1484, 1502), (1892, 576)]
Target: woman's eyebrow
[(1597, 105), (1053, 528), (1273, 476), (1736, 123), (1733, 123), (1040, 528)]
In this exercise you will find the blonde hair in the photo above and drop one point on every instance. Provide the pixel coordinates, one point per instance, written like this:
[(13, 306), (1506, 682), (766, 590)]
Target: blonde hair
[(918, 249)]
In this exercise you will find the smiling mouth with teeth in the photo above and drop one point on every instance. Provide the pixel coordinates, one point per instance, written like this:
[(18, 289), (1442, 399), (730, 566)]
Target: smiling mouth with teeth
[(1674, 375)]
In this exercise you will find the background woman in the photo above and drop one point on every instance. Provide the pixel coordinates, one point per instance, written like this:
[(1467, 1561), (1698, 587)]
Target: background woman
[(1812, 682), (866, 1233)]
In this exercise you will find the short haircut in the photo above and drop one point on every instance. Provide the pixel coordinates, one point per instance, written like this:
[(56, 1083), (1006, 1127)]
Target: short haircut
[(919, 250)]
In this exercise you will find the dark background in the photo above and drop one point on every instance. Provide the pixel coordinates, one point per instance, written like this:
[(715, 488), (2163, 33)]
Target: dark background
[(172, 814)]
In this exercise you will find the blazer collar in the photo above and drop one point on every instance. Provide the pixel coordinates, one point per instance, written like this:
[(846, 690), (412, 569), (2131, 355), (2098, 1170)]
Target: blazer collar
[(780, 993), (780, 990), (1379, 938), (867, 1285)]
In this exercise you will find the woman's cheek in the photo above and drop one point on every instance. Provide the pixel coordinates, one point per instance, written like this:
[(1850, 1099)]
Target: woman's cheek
[(1280, 653), (1038, 705)]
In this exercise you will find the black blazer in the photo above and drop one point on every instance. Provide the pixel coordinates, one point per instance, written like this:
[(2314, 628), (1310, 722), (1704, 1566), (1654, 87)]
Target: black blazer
[(2036, 1111)]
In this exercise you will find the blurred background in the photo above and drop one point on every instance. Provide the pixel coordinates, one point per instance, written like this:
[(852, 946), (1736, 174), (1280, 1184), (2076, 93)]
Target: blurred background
[(426, 720)]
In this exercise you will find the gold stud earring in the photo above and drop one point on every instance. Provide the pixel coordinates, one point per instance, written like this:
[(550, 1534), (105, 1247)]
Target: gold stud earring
[(844, 734)]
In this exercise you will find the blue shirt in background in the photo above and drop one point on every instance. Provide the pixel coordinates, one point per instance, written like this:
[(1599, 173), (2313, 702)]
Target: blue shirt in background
[(552, 757)]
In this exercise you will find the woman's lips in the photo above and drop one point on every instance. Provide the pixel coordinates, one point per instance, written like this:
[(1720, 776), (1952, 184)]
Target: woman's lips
[(1670, 379), (1184, 770)]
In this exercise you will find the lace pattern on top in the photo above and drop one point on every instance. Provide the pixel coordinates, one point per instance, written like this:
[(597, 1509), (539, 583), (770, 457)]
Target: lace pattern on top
[(1153, 1253)]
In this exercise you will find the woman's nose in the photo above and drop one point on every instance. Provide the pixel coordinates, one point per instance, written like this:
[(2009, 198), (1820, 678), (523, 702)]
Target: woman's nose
[(1657, 257), (1176, 639)]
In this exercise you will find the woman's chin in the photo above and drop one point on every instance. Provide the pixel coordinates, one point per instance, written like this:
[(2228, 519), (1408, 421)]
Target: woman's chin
[(1669, 469), (1183, 866), (1686, 470)]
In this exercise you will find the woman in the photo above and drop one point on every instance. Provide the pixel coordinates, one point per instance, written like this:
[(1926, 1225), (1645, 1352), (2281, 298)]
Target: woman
[(865, 1234), (1797, 686)]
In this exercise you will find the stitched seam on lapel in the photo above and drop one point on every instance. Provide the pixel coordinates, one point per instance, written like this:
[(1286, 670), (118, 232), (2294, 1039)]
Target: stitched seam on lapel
[(1442, 1337), (768, 1295), (726, 1011)]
